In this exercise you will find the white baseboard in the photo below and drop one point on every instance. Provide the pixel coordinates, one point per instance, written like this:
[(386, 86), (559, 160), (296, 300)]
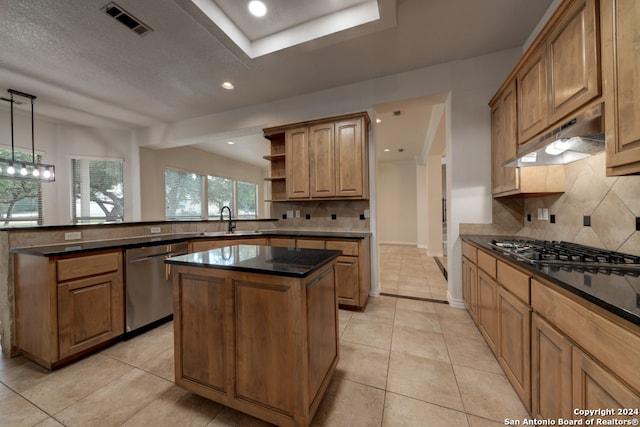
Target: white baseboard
[(456, 303)]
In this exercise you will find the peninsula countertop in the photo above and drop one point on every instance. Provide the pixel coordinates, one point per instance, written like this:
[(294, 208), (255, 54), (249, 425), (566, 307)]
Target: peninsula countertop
[(272, 260)]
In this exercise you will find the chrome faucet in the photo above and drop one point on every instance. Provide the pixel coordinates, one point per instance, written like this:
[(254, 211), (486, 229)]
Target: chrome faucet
[(231, 224)]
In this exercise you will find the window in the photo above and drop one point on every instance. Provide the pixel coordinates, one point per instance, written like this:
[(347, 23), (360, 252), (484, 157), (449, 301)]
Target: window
[(97, 190), (20, 199), (240, 196), (183, 194), (187, 194)]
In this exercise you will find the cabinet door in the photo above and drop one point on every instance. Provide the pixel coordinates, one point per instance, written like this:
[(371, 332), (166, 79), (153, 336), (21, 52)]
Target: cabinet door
[(470, 287), (487, 310), (621, 48), (350, 155), (574, 70), (595, 388), (514, 343), (297, 163), (550, 372), (322, 160), (504, 141), (532, 96), (348, 282), (90, 311)]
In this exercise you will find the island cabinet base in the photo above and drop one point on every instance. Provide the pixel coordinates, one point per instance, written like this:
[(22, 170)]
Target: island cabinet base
[(265, 345)]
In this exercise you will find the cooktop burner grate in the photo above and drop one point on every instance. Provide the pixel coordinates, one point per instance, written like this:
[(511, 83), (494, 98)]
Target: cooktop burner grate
[(566, 254)]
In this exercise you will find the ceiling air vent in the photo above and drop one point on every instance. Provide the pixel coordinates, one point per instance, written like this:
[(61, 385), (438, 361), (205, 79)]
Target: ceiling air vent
[(397, 113), (126, 18)]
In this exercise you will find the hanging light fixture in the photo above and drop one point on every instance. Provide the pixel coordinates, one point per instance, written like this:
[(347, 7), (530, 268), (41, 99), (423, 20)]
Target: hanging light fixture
[(19, 169)]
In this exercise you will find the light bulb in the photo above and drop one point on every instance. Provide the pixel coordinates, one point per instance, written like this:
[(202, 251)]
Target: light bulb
[(11, 170), (23, 171), (558, 146), (36, 173), (257, 8), (46, 173)]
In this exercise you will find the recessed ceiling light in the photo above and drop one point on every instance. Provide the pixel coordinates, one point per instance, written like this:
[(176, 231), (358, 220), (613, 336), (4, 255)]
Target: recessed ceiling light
[(230, 142), (378, 120), (257, 8), (386, 150), (227, 85)]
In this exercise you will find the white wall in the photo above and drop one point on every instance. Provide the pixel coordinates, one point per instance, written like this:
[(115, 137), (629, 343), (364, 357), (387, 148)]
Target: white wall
[(397, 210)]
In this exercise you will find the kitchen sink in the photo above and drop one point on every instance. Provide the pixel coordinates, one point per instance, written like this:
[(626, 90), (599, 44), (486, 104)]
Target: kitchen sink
[(230, 234)]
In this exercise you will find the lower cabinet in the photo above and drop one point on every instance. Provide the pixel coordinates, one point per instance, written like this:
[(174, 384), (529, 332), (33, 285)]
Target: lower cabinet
[(66, 306), (558, 351), (551, 371), (353, 269), (487, 309), (595, 388), (514, 343)]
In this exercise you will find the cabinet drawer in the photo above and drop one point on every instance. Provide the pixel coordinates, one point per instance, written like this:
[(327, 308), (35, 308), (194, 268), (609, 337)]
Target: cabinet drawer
[(487, 263), (310, 244), (470, 252), (91, 265), (347, 248), (278, 241), (515, 281)]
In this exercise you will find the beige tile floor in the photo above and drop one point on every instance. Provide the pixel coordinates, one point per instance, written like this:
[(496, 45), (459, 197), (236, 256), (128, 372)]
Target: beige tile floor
[(403, 362)]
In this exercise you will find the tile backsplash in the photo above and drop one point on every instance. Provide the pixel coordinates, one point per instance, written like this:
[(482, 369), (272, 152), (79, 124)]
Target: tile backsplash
[(611, 205), (338, 215)]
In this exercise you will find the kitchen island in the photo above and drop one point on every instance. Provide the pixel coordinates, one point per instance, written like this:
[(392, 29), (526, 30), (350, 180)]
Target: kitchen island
[(256, 328)]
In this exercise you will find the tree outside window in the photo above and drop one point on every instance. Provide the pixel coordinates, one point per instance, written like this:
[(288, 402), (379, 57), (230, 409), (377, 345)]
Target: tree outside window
[(183, 194), (98, 194)]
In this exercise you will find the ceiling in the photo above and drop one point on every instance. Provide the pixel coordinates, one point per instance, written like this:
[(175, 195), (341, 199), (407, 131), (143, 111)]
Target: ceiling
[(87, 68)]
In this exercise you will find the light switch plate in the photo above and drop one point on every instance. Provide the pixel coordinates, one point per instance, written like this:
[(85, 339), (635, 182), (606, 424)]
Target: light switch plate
[(73, 235)]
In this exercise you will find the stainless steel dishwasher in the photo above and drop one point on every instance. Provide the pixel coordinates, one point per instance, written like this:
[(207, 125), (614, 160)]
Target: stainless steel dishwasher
[(149, 296)]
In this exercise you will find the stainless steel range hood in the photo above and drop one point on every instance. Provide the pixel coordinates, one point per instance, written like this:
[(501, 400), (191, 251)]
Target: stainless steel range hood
[(576, 139)]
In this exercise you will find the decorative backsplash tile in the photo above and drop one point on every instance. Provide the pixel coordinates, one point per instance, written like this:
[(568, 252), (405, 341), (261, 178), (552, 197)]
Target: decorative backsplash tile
[(320, 215), (609, 205)]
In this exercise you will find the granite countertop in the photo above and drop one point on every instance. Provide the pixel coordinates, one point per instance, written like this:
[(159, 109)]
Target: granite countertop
[(279, 261), (142, 241), (615, 290)]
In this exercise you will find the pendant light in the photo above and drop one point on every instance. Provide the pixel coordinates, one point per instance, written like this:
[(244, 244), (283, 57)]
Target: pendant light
[(18, 169)]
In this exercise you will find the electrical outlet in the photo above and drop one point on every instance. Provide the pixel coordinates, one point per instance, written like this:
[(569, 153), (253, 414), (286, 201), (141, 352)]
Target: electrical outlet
[(543, 214), (367, 213), (156, 229), (73, 235), (289, 214), (297, 213)]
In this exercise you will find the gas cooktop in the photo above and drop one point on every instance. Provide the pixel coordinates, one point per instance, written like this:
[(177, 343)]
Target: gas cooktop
[(568, 256)]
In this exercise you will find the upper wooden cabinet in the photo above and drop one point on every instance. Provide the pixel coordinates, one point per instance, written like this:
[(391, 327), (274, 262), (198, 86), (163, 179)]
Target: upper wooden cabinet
[(509, 181), (324, 159), (621, 84), (562, 72), (532, 99), (573, 70)]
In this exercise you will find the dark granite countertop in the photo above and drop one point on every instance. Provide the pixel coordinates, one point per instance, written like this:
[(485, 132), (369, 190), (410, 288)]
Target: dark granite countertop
[(162, 239), (617, 290), (272, 260)]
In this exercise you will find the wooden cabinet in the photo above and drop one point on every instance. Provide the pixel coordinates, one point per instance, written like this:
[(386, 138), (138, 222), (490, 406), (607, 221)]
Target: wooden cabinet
[(324, 159), (353, 272), (509, 181), (550, 372), (487, 308), (276, 157), (297, 163), (532, 96), (621, 80), (573, 48), (265, 345), (595, 388), (514, 343), (69, 305), (470, 279), (561, 74)]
